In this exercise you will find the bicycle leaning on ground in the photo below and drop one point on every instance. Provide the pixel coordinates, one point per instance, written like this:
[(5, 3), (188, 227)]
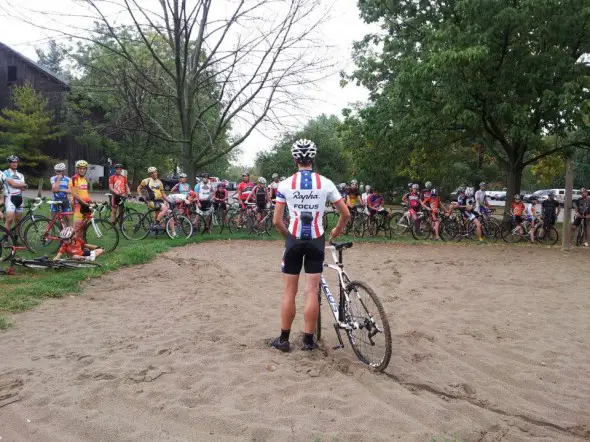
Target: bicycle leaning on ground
[(353, 314), (43, 262)]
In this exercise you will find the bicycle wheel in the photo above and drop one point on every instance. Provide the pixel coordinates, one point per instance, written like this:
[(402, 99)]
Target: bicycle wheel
[(421, 229), (490, 230), (102, 233), (6, 244), (182, 229), (580, 235), (359, 225), (198, 222), (546, 235), (510, 233), (76, 264), (39, 237), (218, 221), (399, 223), (370, 336), (36, 263), (132, 227), (330, 220)]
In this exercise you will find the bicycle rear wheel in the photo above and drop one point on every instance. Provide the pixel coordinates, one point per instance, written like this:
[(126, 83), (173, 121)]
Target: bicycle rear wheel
[(421, 229), (371, 338), (546, 235), (103, 234), (580, 234), (77, 264), (510, 234), (399, 224), (132, 227)]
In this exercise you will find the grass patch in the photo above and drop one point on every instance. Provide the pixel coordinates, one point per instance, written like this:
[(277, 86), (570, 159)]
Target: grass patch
[(4, 323)]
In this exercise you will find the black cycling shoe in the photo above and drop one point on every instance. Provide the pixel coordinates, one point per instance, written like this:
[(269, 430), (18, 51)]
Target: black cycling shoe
[(309, 347), (284, 346)]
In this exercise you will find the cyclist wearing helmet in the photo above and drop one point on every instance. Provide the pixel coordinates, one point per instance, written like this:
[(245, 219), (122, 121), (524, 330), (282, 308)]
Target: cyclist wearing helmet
[(551, 209), (412, 199), (425, 193), (353, 195), (582, 211), (274, 185), (433, 204), (342, 189), (204, 190), (466, 205), (375, 203), (517, 210), (75, 248), (482, 204), (261, 197), (220, 196), (119, 188), (182, 186), (60, 186), (156, 197), (305, 194), (14, 186), (80, 194), (364, 196)]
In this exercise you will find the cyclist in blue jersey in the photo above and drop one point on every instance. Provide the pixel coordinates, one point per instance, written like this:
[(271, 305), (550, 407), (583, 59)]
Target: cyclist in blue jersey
[(305, 194), (182, 186), (60, 186)]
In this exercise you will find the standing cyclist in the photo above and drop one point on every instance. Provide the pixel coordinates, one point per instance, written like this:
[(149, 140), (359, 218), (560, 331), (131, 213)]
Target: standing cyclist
[(60, 186), (15, 184), (582, 211), (119, 188), (305, 193), (81, 199)]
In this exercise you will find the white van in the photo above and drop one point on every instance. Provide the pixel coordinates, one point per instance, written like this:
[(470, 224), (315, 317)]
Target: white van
[(560, 195)]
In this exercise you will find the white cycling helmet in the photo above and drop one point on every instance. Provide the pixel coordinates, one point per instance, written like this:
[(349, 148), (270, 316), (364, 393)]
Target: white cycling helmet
[(81, 163), (59, 167), (152, 169), (261, 180), (367, 188), (415, 187), (12, 159), (469, 191), (353, 182), (428, 184), (275, 175), (66, 233), (182, 175), (304, 150)]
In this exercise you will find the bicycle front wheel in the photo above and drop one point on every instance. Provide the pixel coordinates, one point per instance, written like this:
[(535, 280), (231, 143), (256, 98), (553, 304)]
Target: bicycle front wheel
[(41, 236), (76, 264), (102, 233), (6, 244), (370, 335), (182, 228), (399, 223), (546, 235)]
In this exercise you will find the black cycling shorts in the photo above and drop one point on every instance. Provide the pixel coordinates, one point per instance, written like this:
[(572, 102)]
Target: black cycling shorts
[(577, 221), (307, 253), (517, 218), (260, 207), (205, 205)]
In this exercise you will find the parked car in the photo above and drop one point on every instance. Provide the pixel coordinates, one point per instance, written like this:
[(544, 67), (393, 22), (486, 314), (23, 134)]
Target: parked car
[(560, 195), (169, 182), (232, 185)]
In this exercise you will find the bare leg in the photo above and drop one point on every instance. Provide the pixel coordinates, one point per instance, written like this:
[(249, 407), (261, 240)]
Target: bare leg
[(291, 283)]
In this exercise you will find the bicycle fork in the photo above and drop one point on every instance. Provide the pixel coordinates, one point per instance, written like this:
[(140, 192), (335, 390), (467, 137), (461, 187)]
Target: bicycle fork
[(337, 310)]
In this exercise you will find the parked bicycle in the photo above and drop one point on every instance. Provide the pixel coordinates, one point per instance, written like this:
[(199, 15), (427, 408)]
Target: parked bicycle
[(44, 262), (10, 238), (359, 312)]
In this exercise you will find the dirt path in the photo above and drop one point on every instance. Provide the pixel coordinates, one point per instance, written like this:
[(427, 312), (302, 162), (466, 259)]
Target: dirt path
[(488, 345)]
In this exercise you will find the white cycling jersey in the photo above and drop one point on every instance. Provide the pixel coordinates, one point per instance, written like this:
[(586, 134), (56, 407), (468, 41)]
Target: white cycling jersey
[(175, 198), (16, 176), (204, 190), (305, 194)]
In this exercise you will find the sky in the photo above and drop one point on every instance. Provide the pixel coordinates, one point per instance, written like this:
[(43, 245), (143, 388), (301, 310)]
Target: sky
[(343, 28)]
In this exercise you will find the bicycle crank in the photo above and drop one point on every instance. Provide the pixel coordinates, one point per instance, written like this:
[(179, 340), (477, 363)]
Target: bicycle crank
[(339, 338)]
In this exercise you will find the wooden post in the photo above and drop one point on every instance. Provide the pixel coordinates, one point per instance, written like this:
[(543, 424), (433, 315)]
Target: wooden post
[(567, 204)]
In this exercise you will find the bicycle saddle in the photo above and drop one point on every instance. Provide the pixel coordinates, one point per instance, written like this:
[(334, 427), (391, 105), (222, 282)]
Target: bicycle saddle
[(342, 245)]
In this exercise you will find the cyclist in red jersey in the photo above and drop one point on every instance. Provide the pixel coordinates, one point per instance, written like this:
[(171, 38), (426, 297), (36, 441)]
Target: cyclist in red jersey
[(220, 196), (434, 204), (413, 201)]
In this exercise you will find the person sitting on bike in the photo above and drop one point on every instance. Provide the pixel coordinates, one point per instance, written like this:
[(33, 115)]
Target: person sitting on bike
[(482, 203), (14, 186), (75, 248), (305, 194), (204, 190), (466, 205), (364, 198), (433, 204), (119, 188), (60, 186), (261, 197), (518, 211), (531, 215), (412, 199), (156, 197), (550, 209), (274, 185), (81, 199), (425, 193), (376, 204), (3, 193), (220, 196), (182, 186), (353, 196), (582, 211)]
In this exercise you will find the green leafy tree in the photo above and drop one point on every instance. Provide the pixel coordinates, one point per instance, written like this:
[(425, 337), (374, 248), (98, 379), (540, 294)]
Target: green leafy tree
[(504, 74), (26, 126), (332, 160)]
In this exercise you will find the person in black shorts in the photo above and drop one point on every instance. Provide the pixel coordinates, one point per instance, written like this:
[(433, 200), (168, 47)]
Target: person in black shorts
[(550, 209), (261, 197), (582, 211), (305, 194)]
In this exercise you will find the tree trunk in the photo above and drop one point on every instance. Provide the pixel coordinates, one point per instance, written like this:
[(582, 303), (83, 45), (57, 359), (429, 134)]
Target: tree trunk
[(567, 205), (514, 179)]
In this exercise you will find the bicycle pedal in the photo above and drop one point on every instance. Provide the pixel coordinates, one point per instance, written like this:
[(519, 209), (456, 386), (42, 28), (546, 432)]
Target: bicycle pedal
[(337, 347)]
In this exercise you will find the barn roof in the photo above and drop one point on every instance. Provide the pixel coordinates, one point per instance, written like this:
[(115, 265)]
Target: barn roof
[(36, 65)]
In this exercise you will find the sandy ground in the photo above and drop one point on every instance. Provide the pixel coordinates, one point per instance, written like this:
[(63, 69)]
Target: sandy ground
[(490, 343)]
